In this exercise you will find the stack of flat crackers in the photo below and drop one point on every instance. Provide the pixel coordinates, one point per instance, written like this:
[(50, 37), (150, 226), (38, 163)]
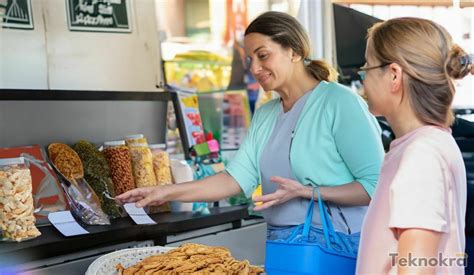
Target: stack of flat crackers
[(192, 259)]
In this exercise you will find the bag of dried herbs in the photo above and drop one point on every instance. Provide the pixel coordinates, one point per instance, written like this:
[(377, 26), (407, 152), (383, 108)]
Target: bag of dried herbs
[(97, 174)]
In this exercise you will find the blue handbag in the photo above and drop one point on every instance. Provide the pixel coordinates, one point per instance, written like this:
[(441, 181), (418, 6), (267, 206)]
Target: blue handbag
[(324, 251)]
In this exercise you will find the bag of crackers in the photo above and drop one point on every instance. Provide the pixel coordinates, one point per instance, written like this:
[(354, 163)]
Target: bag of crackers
[(142, 161), (162, 169), (17, 222)]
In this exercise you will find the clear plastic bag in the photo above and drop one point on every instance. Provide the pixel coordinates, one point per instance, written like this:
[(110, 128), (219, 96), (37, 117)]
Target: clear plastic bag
[(161, 164), (142, 165), (48, 188), (83, 201), (48, 195), (97, 174), (135, 139), (120, 164), (17, 222), (162, 169)]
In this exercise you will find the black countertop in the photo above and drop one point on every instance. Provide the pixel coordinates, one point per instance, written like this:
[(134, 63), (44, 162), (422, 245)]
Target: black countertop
[(51, 243)]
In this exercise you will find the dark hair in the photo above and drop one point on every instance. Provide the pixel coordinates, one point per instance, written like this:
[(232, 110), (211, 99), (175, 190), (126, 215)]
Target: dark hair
[(430, 62), (285, 30)]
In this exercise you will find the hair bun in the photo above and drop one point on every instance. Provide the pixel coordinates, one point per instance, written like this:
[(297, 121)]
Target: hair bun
[(459, 63), (322, 71)]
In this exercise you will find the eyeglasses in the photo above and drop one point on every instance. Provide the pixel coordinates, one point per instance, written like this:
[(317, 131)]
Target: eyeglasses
[(363, 70)]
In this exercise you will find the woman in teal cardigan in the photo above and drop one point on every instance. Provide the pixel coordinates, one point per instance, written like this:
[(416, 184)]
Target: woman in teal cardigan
[(318, 133)]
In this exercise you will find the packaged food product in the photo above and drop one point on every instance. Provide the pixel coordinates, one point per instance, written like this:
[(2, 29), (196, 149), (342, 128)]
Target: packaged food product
[(66, 160), (83, 200), (17, 222), (142, 161), (119, 160), (97, 174), (135, 139), (48, 195), (161, 164), (162, 170)]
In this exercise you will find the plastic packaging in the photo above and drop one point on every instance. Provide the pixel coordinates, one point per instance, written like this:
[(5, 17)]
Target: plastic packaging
[(66, 160), (135, 139), (48, 195), (162, 169), (201, 70), (17, 222), (161, 164), (142, 161), (142, 165), (97, 174), (120, 164), (82, 199)]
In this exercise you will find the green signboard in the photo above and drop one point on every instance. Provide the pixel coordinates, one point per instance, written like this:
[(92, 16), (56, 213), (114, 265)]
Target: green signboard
[(16, 14), (99, 15)]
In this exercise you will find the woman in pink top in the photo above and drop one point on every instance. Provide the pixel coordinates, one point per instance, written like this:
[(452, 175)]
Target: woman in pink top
[(415, 222)]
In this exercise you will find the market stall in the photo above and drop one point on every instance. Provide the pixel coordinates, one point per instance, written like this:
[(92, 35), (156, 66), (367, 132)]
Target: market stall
[(52, 251)]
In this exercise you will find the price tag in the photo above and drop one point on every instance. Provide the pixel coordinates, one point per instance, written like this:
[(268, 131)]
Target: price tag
[(66, 224), (138, 215)]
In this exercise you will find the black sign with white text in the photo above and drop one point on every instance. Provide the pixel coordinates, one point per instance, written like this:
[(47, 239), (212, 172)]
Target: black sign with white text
[(16, 14), (99, 15)]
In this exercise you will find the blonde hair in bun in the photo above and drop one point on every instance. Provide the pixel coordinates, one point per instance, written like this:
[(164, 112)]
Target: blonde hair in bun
[(430, 61), (459, 63)]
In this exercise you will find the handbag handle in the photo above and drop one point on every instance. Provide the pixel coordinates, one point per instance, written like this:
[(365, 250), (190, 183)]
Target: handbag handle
[(309, 217), (328, 228)]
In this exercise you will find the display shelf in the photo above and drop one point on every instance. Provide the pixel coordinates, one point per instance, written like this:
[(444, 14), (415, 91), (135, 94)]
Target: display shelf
[(30, 94), (51, 243)]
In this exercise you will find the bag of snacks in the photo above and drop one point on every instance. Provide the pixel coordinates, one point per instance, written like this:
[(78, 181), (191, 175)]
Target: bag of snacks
[(83, 201), (97, 174), (142, 161), (162, 169), (120, 164), (17, 222), (48, 195), (161, 164), (135, 139)]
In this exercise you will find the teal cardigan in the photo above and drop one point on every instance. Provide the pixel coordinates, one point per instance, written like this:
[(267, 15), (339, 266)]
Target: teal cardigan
[(336, 141)]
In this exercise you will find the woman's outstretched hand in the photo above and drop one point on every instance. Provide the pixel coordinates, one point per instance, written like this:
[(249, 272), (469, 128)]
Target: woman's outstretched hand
[(143, 196), (288, 189)]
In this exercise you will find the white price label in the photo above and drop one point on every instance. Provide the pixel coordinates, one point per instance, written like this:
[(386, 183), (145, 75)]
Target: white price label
[(66, 224), (138, 215)]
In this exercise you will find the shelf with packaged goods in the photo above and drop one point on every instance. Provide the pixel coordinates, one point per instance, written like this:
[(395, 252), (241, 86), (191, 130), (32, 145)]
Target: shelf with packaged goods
[(34, 94), (52, 244)]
